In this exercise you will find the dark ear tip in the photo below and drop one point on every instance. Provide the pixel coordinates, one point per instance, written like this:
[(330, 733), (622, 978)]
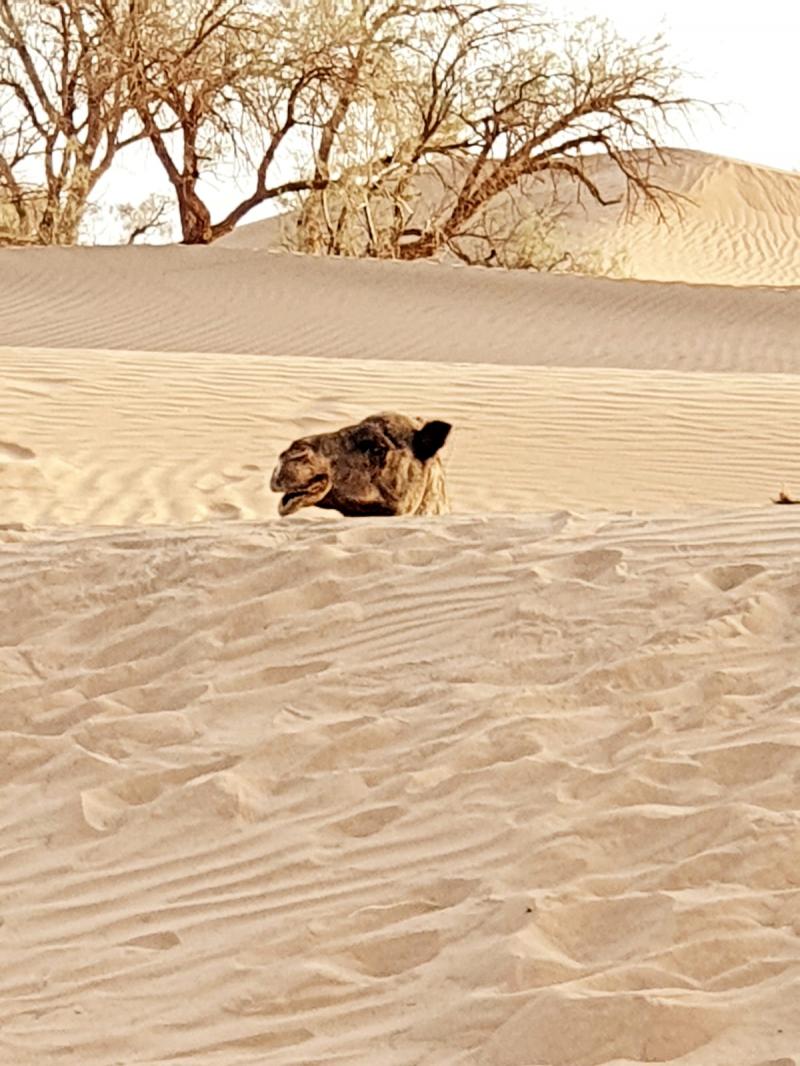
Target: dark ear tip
[(429, 439)]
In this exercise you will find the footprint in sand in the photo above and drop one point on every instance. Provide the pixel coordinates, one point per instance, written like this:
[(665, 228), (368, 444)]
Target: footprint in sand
[(154, 941), (216, 480), (595, 565), (388, 956), (225, 510), (726, 578), (368, 822), (8, 450)]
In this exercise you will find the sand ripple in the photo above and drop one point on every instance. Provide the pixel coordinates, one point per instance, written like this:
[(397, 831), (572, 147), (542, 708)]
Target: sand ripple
[(116, 437), (265, 808)]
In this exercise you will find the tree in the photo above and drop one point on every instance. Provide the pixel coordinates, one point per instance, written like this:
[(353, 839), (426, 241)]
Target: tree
[(483, 98), (149, 218), (63, 104), (528, 228), (393, 124), (266, 84), (228, 79)]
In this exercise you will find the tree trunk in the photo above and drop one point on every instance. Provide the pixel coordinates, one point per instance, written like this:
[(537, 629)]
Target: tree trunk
[(427, 245), (195, 218), (49, 219)]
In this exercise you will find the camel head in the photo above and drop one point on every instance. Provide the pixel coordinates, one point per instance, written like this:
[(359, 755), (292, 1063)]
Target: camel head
[(387, 464)]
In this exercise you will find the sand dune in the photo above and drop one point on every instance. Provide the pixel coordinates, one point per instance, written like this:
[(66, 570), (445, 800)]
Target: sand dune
[(115, 437), (213, 300), (733, 223), (515, 786), (266, 809), (736, 224)]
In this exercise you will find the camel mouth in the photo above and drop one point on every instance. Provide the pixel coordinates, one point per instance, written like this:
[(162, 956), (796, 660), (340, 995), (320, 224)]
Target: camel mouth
[(306, 496)]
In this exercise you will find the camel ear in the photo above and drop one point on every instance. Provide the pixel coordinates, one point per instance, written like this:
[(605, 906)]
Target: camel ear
[(427, 441)]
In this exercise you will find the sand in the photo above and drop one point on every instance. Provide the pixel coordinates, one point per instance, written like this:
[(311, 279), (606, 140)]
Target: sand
[(118, 437), (734, 223), (216, 299), (511, 787), (730, 223)]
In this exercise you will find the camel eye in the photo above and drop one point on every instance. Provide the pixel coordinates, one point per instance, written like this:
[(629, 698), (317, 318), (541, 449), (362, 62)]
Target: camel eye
[(371, 447), (296, 451)]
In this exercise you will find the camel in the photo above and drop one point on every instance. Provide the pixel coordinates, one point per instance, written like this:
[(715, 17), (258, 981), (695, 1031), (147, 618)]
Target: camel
[(387, 464)]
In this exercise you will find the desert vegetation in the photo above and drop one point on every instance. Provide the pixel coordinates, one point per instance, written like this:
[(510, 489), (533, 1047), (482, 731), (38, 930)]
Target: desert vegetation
[(65, 92), (391, 127)]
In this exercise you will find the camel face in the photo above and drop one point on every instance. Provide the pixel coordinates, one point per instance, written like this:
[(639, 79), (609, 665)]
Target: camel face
[(386, 465), (303, 475)]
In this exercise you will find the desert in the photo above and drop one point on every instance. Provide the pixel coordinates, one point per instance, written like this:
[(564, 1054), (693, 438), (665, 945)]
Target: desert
[(512, 785), (511, 782)]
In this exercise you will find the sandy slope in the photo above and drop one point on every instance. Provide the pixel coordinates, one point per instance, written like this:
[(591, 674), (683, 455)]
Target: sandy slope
[(511, 787), (738, 224), (735, 223), (218, 300), (494, 792), (114, 437), (732, 223)]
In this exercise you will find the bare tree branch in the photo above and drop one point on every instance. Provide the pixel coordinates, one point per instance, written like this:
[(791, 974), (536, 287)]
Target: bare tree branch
[(64, 79)]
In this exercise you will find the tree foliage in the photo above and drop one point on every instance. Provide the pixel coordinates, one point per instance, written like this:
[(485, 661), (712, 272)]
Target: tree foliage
[(484, 98), (63, 104), (390, 125)]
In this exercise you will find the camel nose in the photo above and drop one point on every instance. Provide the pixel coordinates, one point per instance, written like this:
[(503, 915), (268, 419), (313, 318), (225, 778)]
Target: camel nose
[(274, 481)]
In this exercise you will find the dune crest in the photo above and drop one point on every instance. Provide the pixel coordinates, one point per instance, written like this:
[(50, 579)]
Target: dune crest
[(737, 224), (734, 223)]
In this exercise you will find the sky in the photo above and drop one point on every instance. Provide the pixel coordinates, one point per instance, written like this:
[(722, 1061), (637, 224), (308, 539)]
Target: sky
[(742, 55), (739, 56)]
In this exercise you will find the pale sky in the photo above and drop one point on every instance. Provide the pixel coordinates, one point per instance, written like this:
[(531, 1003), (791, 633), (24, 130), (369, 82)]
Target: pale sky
[(742, 57)]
